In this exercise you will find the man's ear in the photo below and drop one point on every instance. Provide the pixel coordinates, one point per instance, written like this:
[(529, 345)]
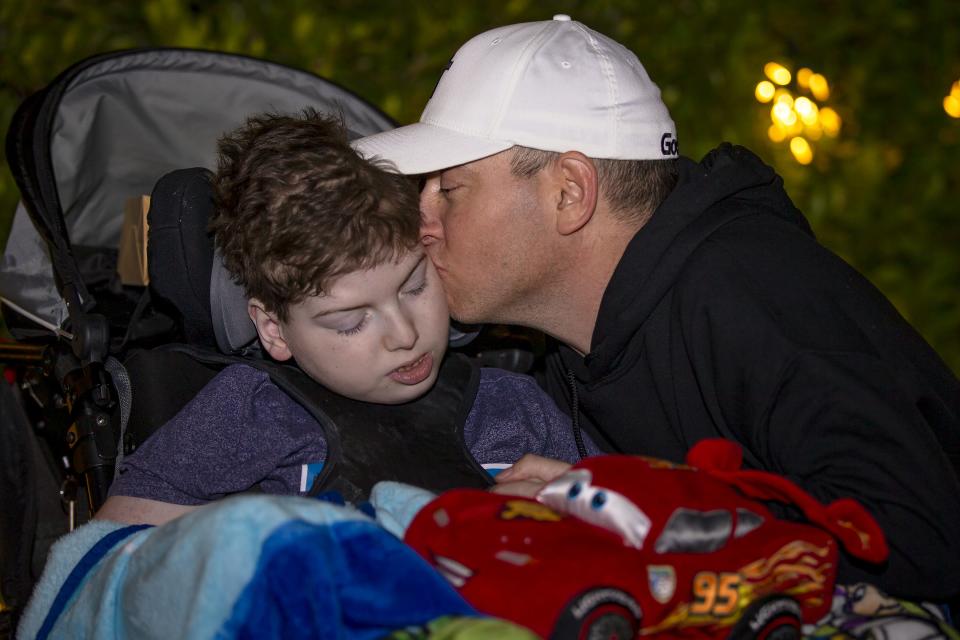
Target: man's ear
[(579, 186), (269, 330)]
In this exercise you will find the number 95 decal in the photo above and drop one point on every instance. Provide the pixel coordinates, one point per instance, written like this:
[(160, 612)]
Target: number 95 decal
[(715, 594)]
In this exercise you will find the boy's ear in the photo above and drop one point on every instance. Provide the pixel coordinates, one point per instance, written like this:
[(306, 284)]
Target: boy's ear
[(578, 191), (269, 330)]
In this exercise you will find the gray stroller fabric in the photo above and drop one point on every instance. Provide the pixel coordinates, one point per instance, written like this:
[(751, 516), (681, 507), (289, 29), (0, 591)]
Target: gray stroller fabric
[(26, 273), (128, 119)]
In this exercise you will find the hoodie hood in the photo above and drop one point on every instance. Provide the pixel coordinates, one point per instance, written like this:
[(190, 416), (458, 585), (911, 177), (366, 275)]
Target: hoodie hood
[(730, 182)]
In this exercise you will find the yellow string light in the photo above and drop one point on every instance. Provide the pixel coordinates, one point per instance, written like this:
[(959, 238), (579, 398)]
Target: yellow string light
[(783, 96), (801, 150), (777, 72), (830, 121), (803, 78), (807, 110), (783, 114), (764, 91), (951, 104), (819, 87), (777, 134)]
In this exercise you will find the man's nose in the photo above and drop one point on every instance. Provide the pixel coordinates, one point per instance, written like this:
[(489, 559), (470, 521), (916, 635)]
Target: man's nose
[(401, 331), (431, 231)]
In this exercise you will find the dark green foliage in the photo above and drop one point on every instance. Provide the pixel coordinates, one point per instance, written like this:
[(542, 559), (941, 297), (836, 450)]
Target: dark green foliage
[(883, 195)]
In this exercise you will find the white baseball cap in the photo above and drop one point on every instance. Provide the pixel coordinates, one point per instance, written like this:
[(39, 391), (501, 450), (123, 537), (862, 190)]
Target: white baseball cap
[(555, 85)]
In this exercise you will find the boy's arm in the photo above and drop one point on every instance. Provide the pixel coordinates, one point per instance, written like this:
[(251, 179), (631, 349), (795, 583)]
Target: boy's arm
[(130, 510)]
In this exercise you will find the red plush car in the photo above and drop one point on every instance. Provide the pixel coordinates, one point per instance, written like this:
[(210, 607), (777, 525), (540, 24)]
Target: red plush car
[(622, 546)]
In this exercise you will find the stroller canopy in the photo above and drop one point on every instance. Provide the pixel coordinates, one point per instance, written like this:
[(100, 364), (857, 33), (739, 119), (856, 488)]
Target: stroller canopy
[(108, 128)]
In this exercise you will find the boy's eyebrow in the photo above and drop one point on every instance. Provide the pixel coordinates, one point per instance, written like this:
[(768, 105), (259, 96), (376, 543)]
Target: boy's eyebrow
[(414, 268), (406, 279), (328, 312)]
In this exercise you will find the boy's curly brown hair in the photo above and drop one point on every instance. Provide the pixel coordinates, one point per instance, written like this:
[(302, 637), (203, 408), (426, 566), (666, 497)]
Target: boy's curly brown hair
[(296, 207)]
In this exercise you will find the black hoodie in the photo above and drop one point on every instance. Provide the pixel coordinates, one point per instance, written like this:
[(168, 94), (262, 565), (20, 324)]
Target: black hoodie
[(726, 318)]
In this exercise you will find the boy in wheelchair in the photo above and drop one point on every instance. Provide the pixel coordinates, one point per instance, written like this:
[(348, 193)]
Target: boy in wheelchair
[(325, 245)]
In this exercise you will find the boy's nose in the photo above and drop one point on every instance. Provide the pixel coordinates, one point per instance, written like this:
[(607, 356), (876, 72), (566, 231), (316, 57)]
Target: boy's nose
[(402, 333)]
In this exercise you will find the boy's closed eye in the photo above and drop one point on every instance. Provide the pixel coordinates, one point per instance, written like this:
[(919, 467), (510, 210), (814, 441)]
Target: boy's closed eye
[(346, 322), (416, 282), (356, 328), (416, 290)]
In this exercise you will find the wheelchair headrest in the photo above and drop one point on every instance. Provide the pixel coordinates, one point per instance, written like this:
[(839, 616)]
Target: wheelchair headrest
[(232, 325), (184, 269)]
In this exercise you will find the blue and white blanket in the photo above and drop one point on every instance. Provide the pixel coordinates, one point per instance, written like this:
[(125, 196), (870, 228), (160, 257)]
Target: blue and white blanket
[(286, 567), (249, 566)]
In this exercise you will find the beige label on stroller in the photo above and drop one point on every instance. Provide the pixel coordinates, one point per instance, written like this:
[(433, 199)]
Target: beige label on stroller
[(132, 260)]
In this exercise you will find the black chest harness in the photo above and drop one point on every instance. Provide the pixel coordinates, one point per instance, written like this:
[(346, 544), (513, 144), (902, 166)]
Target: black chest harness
[(419, 442)]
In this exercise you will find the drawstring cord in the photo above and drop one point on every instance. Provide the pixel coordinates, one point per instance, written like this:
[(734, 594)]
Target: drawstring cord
[(575, 414)]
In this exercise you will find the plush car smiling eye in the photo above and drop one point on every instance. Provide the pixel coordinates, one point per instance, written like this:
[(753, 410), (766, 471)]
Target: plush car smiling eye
[(574, 493), (598, 500)]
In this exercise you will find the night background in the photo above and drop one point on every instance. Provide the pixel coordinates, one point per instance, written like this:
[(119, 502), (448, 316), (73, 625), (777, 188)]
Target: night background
[(871, 103)]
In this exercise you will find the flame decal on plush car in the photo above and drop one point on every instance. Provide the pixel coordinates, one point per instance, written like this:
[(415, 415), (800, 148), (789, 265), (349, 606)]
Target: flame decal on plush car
[(573, 493)]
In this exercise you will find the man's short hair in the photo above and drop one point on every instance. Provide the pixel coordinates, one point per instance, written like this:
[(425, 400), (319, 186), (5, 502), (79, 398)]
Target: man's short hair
[(632, 188), (296, 207)]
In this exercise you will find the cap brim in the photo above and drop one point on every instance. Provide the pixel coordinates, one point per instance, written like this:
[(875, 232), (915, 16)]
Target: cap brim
[(423, 148)]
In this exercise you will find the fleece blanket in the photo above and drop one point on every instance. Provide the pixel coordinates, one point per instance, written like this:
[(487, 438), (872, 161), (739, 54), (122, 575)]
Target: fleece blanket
[(251, 567), (282, 567)]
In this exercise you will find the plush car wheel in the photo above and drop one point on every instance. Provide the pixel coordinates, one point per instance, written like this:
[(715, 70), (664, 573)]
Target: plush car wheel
[(770, 618), (599, 614)]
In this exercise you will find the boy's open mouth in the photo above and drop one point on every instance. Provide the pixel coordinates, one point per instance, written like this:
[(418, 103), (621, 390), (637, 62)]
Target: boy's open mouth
[(415, 372)]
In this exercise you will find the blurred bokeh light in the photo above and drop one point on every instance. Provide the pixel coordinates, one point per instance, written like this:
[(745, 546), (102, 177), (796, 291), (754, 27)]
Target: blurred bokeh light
[(951, 104), (797, 118)]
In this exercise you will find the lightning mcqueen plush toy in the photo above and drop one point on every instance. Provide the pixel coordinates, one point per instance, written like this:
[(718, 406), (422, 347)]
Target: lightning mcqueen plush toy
[(625, 546)]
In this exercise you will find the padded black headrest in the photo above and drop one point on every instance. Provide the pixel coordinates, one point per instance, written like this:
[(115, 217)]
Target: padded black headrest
[(184, 270)]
